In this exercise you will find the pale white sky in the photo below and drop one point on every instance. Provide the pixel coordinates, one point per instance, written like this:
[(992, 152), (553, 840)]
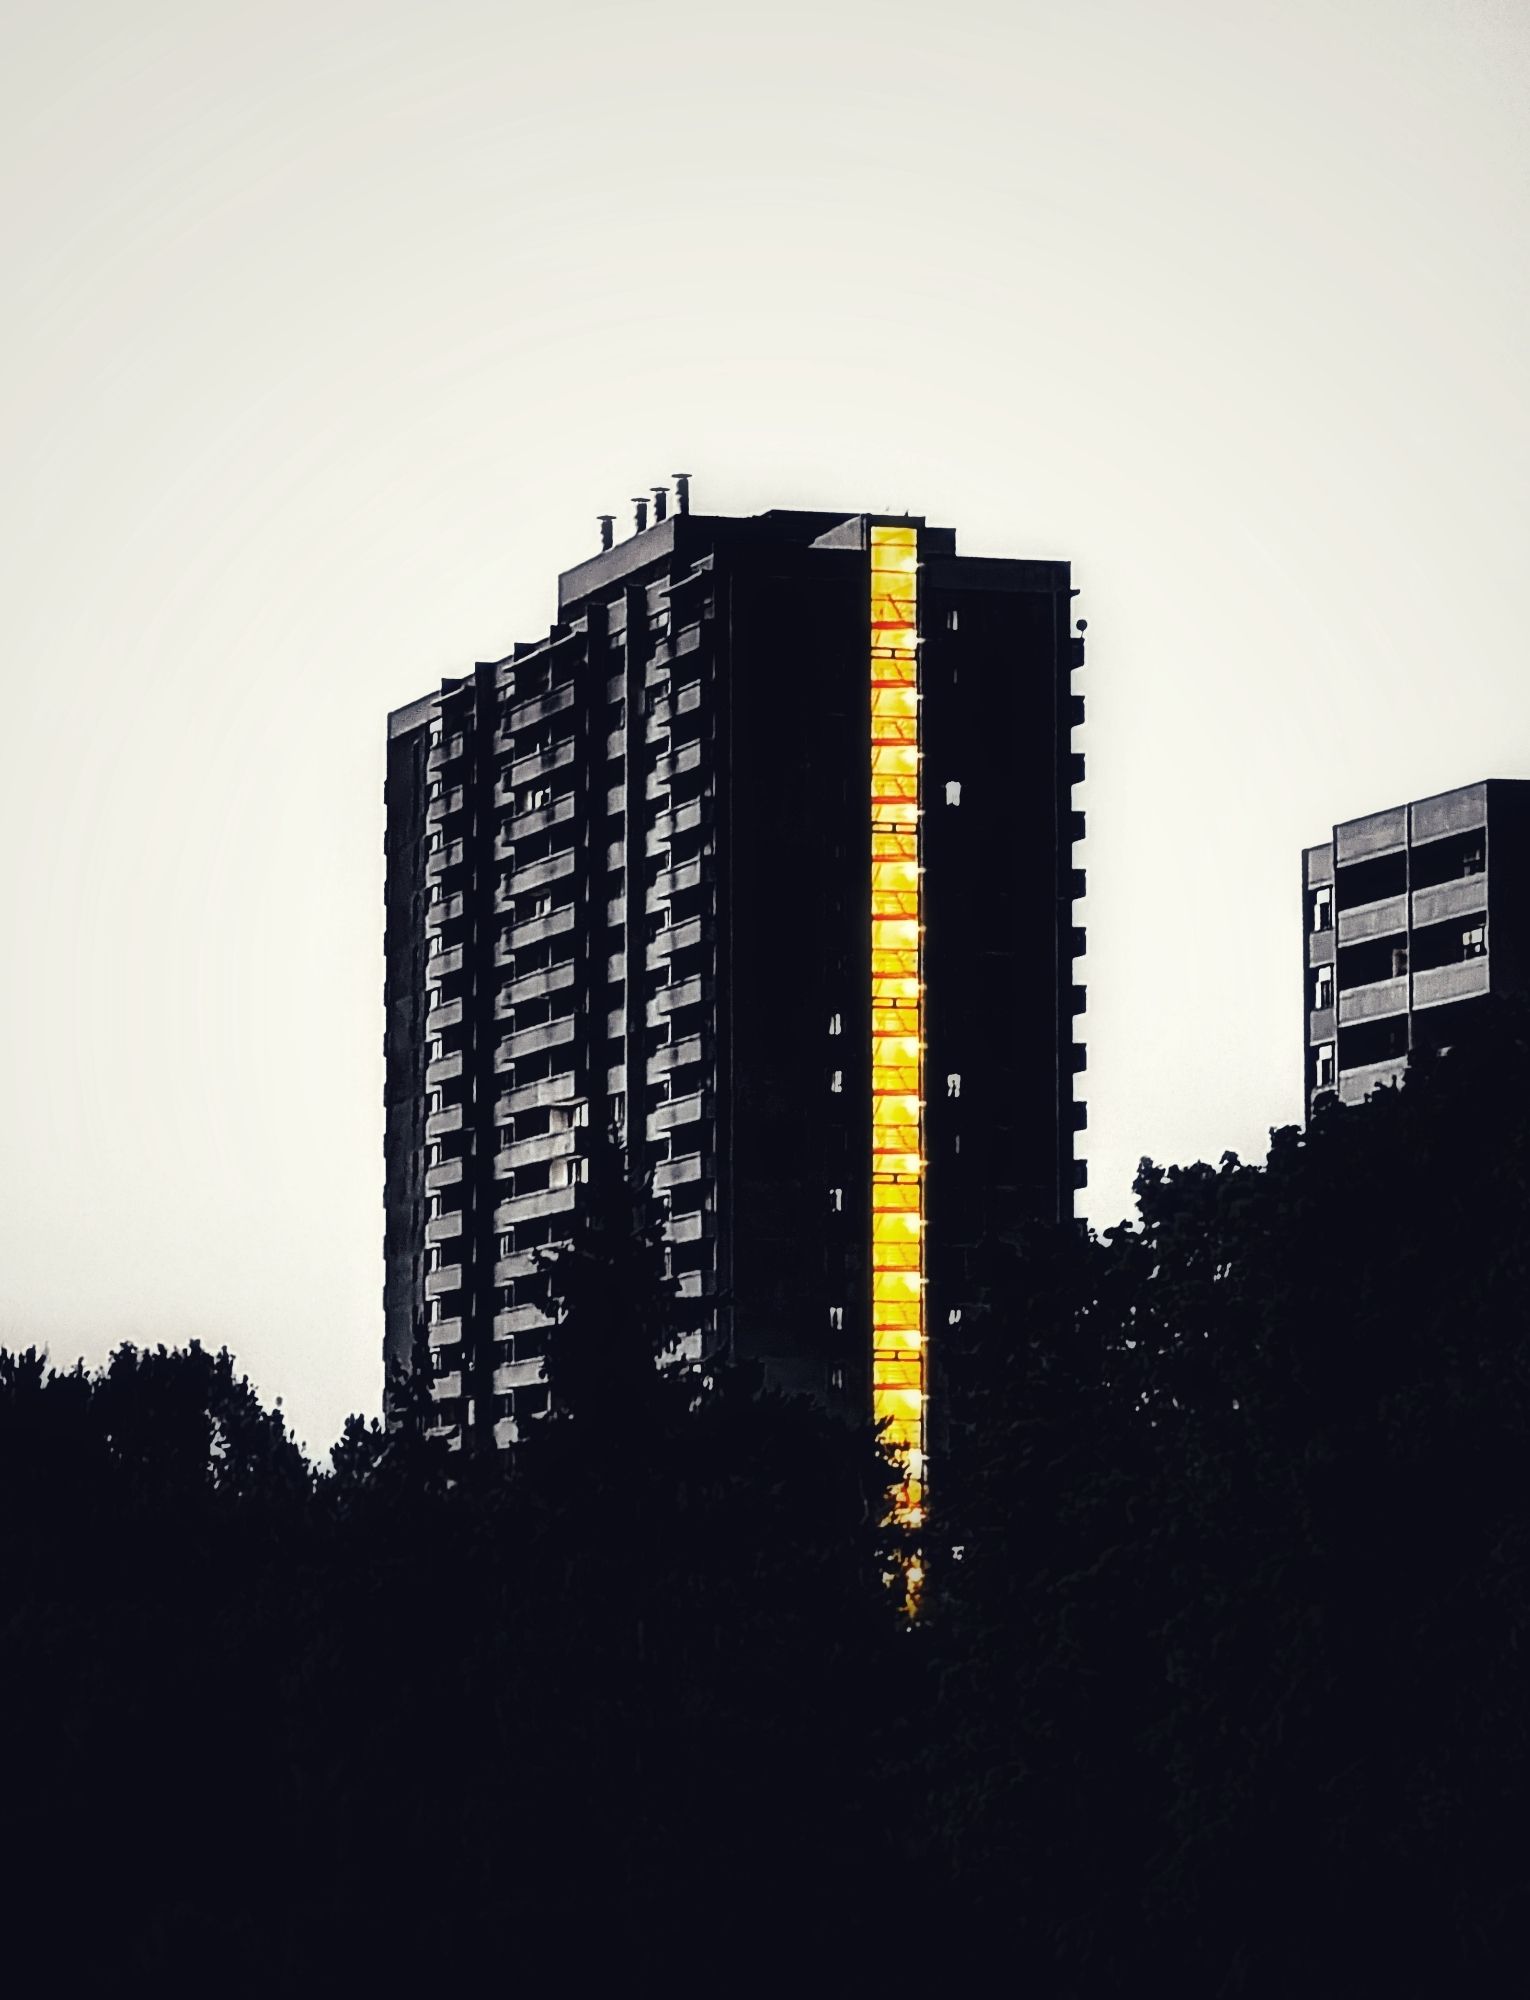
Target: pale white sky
[(332, 326)]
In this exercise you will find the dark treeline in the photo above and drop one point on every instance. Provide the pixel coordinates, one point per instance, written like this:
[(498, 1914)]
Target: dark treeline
[(1219, 1684)]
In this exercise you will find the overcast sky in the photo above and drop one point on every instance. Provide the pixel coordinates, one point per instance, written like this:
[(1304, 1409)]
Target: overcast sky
[(331, 328)]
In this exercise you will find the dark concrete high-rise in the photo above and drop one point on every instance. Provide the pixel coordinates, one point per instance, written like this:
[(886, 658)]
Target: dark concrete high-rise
[(763, 859), (1412, 916)]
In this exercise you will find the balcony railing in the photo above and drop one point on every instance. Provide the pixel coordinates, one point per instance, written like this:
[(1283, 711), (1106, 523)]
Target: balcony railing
[(1366, 1003), (1465, 897), (1461, 981), (1373, 919)]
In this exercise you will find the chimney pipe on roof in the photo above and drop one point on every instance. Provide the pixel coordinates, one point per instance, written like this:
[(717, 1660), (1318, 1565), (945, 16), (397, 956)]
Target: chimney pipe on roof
[(682, 492), (607, 530), (640, 510), (660, 503)]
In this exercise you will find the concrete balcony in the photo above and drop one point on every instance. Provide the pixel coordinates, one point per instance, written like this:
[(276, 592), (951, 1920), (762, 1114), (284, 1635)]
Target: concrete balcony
[(681, 1111), (1378, 833), (676, 938), (687, 697), (442, 964), (447, 1015), (687, 1050), (553, 869), (527, 1374), (444, 1332), (693, 1228), (1462, 811), (444, 1069), (1355, 1085), (1465, 897), (546, 1090), (531, 1152), (451, 800), (686, 758), (528, 1041), (1320, 947), (539, 764), (1368, 1003), (447, 1119), (535, 985), (675, 1173), (1369, 920), (553, 924), (447, 751), (442, 1228), (450, 855), (519, 1264), (447, 1279), (444, 1174), (688, 993), (1320, 1026), (537, 708), (1461, 981), (518, 1320), (671, 881), (540, 1203), (523, 825)]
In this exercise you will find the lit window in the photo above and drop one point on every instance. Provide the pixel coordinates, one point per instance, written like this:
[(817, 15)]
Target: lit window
[(953, 792), (1322, 986), (836, 1316), (836, 1377), (1322, 909), (836, 1025), (953, 619), (1474, 941), (837, 1199), (954, 1316), (837, 1081), (953, 1085)]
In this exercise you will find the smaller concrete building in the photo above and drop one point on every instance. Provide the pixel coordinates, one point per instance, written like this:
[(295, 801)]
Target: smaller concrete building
[(1411, 916)]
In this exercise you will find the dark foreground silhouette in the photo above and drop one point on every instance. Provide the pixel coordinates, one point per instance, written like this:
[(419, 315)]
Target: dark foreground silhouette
[(1220, 1685)]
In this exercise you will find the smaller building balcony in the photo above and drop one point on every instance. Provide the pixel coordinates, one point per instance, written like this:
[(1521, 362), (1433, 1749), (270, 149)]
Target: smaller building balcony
[(447, 1279), (444, 1174), (439, 1123), (532, 1096), (447, 751), (518, 1320), (1320, 1026), (535, 985), (1370, 920), (539, 764), (442, 964), (535, 709), (1366, 1003), (444, 1332), (671, 881), (444, 1069), (442, 1228), (451, 800), (1355, 1085), (688, 1049), (447, 1015), (675, 1173), (530, 1152), (527, 1374), (681, 1111), (449, 855), (1321, 947), (552, 869), (528, 1041), (1461, 981), (1467, 896)]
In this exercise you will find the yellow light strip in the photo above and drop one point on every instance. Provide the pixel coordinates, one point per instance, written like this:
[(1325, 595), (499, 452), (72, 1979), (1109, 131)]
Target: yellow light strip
[(898, 1385)]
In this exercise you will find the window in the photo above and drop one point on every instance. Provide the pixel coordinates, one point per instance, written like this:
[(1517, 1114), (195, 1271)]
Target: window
[(953, 620), (1325, 1066), (1322, 986), (837, 1200), (953, 792), (836, 1025), (437, 944), (837, 1376), (953, 1085), (836, 1317), (954, 1316), (837, 1081), (1322, 909), (1474, 941), (1399, 960), (1474, 860)]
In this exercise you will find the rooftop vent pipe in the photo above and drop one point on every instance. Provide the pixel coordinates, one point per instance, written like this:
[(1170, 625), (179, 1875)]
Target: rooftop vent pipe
[(607, 530), (660, 503), (682, 492), (640, 510)]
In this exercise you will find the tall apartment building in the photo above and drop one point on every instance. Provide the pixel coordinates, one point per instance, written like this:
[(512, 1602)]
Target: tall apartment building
[(1411, 916), (762, 858)]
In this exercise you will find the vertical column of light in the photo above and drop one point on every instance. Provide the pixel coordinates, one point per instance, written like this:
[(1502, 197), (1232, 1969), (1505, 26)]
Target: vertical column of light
[(897, 1015)]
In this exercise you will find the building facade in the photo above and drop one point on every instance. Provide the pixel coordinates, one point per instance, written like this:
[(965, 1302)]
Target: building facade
[(1411, 916), (762, 859)]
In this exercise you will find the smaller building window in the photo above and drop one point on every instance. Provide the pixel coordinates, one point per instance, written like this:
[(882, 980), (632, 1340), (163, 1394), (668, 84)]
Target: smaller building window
[(1325, 1066), (1474, 860), (1399, 960), (1474, 941), (1322, 987)]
